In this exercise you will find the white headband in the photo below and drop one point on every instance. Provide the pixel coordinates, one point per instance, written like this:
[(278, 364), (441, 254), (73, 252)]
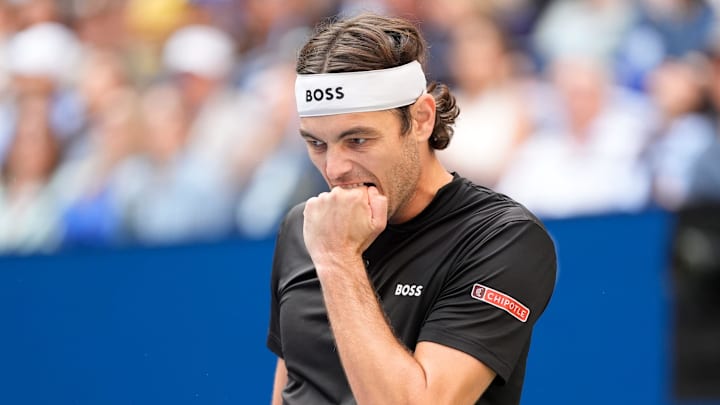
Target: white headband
[(347, 92)]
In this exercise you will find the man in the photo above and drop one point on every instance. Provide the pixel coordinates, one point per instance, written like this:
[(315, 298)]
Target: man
[(404, 284)]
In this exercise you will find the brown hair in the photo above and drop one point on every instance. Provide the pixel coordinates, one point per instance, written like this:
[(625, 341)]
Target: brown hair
[(371, 42)]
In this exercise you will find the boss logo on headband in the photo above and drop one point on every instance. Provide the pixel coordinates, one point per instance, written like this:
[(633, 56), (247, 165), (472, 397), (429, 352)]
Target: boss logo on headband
[(324, 94)]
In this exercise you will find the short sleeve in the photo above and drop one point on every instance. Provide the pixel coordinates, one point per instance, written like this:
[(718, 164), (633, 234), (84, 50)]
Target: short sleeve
[(274, 340), (274, 343), (491, 301)]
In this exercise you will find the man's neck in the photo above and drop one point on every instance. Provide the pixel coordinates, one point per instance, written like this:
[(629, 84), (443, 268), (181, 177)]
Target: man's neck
[(432, 178)]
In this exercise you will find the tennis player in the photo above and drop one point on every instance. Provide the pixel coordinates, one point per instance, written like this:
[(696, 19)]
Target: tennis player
[(404, 284)]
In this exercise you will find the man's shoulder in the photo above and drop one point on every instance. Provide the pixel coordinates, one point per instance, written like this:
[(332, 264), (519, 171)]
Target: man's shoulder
[(293, 217), (485, 204), (293, 222), (296, 212), (291, 256)]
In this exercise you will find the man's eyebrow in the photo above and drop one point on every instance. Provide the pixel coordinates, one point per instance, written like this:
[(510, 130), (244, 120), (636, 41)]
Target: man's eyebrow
[(354, 131), (306, 134), (359, 130)]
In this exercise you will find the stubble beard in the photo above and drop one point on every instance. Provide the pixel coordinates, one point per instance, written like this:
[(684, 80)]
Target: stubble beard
[(404, 177)]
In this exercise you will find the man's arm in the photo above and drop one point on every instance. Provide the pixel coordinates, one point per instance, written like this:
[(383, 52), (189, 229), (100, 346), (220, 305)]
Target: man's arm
[(379, 368), (338, 227), (280, 382)]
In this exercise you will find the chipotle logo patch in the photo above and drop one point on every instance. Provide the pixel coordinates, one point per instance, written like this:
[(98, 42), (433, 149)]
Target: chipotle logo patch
[(500, 300)]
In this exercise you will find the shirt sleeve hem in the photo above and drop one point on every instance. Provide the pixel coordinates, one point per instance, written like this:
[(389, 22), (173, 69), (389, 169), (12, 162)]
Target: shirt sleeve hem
[(273, 343), (474, 349)]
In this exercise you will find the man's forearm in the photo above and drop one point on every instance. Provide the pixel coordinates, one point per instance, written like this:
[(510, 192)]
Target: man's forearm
[(378, 366), (279, 382)]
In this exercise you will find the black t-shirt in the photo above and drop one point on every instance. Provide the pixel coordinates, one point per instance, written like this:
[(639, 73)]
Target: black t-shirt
[(472, 271)]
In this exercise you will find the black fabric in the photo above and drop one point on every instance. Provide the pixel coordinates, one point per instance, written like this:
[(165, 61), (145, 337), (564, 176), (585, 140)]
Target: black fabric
[(467, 235)]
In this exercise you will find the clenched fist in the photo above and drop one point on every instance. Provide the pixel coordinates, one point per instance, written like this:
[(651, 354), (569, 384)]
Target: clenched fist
[(340, 224)]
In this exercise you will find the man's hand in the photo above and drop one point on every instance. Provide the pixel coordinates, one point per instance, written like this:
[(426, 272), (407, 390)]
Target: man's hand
[(342, 223)]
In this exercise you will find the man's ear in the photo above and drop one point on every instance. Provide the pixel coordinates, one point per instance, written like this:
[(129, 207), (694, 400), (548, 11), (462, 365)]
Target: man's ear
[(423, 116)]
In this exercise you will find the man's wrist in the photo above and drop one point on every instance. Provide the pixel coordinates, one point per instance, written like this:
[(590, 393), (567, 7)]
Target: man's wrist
[(332, 261), (338, 262)]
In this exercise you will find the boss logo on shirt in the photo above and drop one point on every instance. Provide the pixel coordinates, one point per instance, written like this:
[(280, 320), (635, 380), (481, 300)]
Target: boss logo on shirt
[(408, 290), (324, 94)]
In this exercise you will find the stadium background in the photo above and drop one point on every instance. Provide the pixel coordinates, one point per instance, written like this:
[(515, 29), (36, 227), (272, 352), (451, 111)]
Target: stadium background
[(149, 148)]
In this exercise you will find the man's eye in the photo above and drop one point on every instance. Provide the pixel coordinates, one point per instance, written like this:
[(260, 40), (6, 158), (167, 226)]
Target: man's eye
[(358, 141), (316, 144)]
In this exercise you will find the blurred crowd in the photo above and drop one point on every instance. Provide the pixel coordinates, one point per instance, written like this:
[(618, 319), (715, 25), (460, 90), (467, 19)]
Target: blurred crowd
[(166, 121)]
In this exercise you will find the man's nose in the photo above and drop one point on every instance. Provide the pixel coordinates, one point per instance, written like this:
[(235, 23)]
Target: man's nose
[(337, 164)]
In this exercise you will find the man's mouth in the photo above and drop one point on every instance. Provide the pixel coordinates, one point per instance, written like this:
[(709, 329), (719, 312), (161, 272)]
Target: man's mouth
[(353, 185)]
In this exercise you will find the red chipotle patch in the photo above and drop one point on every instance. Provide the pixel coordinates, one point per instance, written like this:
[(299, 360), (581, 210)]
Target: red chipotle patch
[(500, 300)]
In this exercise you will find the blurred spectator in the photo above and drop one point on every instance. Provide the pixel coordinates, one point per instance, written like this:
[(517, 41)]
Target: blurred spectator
[(168, 194), (149, 23), (100, 24), (589, 28), (7, 28), (705, 177), (43, 60), (678, 87), (103, 76), (662, 29), (92, 216), (405, 8), (271, 27), (154, 20), (268, 19), (200, 59), (519, 19), (584, 157), (352, 7), (281, 173), (437, 21), (44, 55), (493, 122), (515, 18), (31, 12), (91, 213), (29, 220), (225, 130)]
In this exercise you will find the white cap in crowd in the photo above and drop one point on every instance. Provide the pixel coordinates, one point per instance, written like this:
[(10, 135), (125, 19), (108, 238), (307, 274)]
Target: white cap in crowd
[(48, 50), (201, 50)]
